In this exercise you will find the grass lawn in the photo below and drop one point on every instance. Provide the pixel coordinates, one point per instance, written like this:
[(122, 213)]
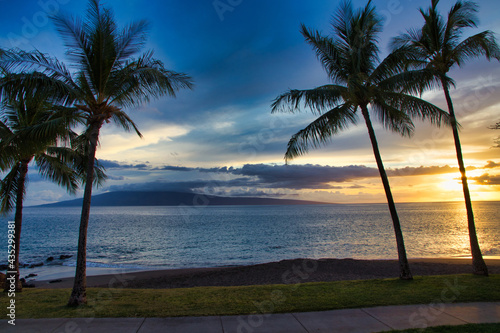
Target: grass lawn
[(208, 301), (471, 328)]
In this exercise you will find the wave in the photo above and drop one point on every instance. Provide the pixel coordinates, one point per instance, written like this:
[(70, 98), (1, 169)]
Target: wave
[(95, 264)]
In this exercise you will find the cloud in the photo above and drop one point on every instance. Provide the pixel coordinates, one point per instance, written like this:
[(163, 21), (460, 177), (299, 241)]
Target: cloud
[(422, 171), (117, 165), (264, 176), (116, 177), (491, 165), (309, 176), (188, 169), (199, 185), (260, 178), (295, 177), (115, 141), (304, 176), (486, 179)]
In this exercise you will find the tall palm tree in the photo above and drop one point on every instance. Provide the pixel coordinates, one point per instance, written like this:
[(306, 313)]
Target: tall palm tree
[(108, 79), (439, 46), (30, 127), (350, 58)]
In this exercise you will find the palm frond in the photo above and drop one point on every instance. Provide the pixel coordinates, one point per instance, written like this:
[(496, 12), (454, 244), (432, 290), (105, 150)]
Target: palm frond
[(46, 132), (461, 15), (78, 158), (433, 30), (52, 167), (123, 120), (341, 23), (131, 40), (37, 85), (413, 107), (8, 189), (99, 174), (320, 131), (357, 35), (144, 79), (318, 99), (87, 94), (8, 154), (332, 58), (412, 37), (102, 34), (5, 130), (413, 82), (22, 61), (393, 118), (398, 61), (481, 44), (72, 31)]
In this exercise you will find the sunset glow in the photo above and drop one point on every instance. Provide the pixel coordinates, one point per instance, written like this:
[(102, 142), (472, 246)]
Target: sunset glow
[(221, 137)]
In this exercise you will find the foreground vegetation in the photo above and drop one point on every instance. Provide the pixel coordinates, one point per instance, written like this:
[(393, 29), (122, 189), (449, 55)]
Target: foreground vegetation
[(207, 301)]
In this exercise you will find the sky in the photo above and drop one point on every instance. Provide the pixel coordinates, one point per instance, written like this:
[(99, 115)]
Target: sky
[(220, 137)]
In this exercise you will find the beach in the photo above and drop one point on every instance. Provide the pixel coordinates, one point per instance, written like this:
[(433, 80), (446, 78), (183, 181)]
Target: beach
[(282, 272)]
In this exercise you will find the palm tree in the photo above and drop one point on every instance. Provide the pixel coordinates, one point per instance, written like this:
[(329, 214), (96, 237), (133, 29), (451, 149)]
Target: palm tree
[(30, 127), (350, 58), (107, 80), (439, 47)]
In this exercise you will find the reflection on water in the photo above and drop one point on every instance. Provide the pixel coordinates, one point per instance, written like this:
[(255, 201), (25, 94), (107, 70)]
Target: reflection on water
[(233, 235)]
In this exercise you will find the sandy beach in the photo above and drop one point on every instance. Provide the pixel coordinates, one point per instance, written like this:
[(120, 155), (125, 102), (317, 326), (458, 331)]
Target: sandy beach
[(282, 272)]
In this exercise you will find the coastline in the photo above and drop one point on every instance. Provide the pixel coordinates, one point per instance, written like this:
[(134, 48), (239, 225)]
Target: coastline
[(281, 272)]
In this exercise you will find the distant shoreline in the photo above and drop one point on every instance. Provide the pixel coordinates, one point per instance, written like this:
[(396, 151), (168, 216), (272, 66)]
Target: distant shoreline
[(169, 198), (282, 272)]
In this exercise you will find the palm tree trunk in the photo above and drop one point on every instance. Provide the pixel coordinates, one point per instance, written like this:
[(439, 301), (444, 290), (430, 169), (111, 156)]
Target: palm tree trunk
[(478, 264), (18, 221), (79, 292), (404, 266)]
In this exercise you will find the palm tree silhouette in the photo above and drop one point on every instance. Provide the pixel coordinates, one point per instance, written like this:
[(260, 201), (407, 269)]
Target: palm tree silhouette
[(31, 125), (108, 79), (350, 58), (437, 46)]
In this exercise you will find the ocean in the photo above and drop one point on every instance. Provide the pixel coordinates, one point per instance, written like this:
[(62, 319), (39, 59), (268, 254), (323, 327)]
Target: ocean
[(144, 238)]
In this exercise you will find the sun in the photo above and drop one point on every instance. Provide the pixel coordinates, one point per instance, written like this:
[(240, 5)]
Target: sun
[(450, 183)]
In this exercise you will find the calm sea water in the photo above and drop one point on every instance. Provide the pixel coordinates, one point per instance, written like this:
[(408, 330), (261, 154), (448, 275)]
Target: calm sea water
[(173, 237)]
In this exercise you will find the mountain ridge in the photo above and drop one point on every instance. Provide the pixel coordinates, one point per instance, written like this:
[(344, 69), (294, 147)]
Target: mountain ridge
[(171, 198)]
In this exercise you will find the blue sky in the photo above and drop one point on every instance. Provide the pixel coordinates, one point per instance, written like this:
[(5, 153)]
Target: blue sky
[(221, 138)]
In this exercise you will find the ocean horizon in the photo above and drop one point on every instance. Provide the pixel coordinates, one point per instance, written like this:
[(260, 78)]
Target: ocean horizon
[(170, 237)]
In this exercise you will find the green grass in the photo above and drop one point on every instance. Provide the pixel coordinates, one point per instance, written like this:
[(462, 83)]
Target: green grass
[(208, 301), (470, 328)]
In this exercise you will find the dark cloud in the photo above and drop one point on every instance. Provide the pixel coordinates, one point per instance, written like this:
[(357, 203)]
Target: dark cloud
[(253, 178), (185, 186), (491, 165), (174, 168), (486, 179), (304, 176), (187, 169), (422, 171), (311, 176), (356, 186), (110, 177), (117, 165)]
